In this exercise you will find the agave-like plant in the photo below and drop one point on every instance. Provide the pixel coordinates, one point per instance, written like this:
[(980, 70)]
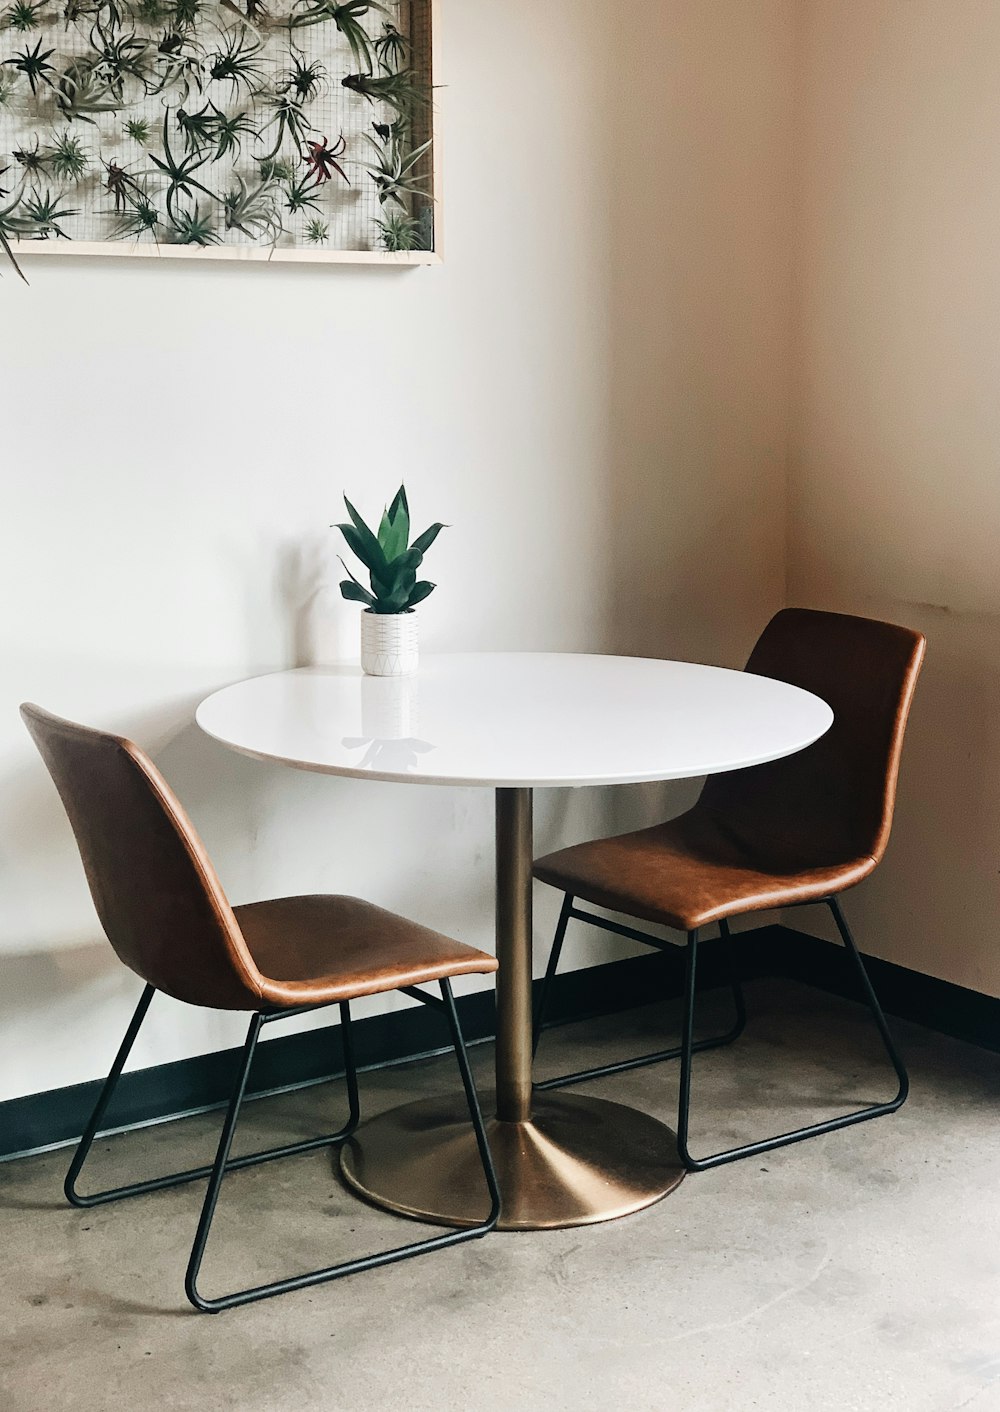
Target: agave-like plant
[(390, 49), (347, 16), (391, 561), (179, 174), (9, 227), (192, 228), (140, 216), (81, 92), (237, 63), (404, 91), (393, 170), (40, 216), (23, 16), (253, 210), (67, 159), (34, 65), (400, 232)]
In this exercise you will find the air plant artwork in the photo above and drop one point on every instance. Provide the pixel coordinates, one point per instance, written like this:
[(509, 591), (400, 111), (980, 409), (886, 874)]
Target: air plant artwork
[(291, 129)]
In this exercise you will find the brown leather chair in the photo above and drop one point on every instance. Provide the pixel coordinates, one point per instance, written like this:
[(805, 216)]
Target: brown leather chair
[(166, 915), (797, 831)]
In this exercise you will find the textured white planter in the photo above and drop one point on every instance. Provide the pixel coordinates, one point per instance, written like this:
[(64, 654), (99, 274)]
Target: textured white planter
[(389, 644)]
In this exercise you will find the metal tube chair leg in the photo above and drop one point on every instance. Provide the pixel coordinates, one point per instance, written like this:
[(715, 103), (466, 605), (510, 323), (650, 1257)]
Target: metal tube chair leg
[(367, 1262), (750, 1149), (99, 1198), (603, 1071)]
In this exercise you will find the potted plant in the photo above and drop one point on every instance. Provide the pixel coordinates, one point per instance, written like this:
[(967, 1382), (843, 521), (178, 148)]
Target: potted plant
[(389, 643)]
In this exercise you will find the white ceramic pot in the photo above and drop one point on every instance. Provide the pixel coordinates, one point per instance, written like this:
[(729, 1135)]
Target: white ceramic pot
[(389, 644)]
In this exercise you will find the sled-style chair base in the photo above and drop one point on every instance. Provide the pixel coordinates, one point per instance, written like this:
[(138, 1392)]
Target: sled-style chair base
[(224, 1164)]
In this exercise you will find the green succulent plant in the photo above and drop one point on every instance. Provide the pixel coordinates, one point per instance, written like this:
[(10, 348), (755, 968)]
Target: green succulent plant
[(389, 557)]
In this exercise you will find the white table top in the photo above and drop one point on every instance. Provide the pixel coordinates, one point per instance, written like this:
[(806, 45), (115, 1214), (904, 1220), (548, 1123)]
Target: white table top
[(517, 720)]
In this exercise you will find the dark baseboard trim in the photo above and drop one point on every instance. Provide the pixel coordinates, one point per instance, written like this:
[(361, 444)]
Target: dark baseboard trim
[(170, 1090), (938, 1005), (165, 1091)]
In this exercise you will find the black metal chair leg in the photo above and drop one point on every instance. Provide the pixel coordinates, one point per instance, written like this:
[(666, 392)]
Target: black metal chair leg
[(550, 970), (103, 1099), (873, 1005), (193, 1174), (347, 1267), (605, 1070), (739, 1000), (751, 1149)]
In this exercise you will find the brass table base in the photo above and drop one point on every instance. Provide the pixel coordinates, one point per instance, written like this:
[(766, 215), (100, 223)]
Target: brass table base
[(577, 1161)]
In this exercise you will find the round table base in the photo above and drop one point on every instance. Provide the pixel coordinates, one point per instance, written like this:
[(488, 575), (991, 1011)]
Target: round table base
[(578, 1161)]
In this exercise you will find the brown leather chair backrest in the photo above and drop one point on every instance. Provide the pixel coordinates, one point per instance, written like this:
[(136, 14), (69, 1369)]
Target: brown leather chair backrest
[(833, 801), (156, 893)]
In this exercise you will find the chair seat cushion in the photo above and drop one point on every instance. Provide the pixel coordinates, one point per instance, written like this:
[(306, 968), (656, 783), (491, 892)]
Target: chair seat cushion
[(692, 871), (313, 950)]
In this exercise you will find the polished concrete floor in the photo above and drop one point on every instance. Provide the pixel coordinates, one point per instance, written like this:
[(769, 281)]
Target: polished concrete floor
[(860, 1270)]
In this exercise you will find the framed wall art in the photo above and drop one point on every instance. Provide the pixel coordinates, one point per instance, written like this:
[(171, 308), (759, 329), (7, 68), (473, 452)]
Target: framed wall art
[(219, 129)]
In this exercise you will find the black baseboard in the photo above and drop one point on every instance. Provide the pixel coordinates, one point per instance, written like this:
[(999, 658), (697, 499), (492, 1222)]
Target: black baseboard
[(167, 1090), (938, 1005)]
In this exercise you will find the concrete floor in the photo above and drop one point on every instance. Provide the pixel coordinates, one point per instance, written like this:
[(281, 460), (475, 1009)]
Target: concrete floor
[(857, 1271)]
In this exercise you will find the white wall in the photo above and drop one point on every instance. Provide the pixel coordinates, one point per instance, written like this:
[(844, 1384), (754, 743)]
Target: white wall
[(896, 493), (584, 391)]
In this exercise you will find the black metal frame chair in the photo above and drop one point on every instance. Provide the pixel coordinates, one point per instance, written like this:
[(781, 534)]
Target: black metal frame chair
[(688, 1047), (224, 1164)]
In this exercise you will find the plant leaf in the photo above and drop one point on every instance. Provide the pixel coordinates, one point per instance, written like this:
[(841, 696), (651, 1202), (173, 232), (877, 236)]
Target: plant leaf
[(374, 559), (399, 503), (356, 594), (420, 591), (394, 531), (424, 541)]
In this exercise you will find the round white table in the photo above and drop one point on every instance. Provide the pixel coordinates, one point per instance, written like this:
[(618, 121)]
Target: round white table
[(514, 721)]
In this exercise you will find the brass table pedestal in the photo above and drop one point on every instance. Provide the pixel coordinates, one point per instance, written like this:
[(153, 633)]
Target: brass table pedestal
[(577, 1160), (562, 1159)]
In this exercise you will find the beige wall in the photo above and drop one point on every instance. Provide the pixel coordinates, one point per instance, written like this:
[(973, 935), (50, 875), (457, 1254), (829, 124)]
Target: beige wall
[(583, 391), (895, 485)]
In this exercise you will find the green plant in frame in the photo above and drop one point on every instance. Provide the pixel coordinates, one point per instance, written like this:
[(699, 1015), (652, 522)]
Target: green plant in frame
[(140, 216), (31, 160), (389, 558), (400, 232), (254, 211), (393, 171), (390, 49), (138, 130), (302, 194), (347, 17), (34, 65), (318, 232), (304, 80), (67, 159), (23, 16), (8, 228), (81, 93), (179, 174), (238, 63), (403, 91), (229, 134), (192, 228), (40, 216)]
